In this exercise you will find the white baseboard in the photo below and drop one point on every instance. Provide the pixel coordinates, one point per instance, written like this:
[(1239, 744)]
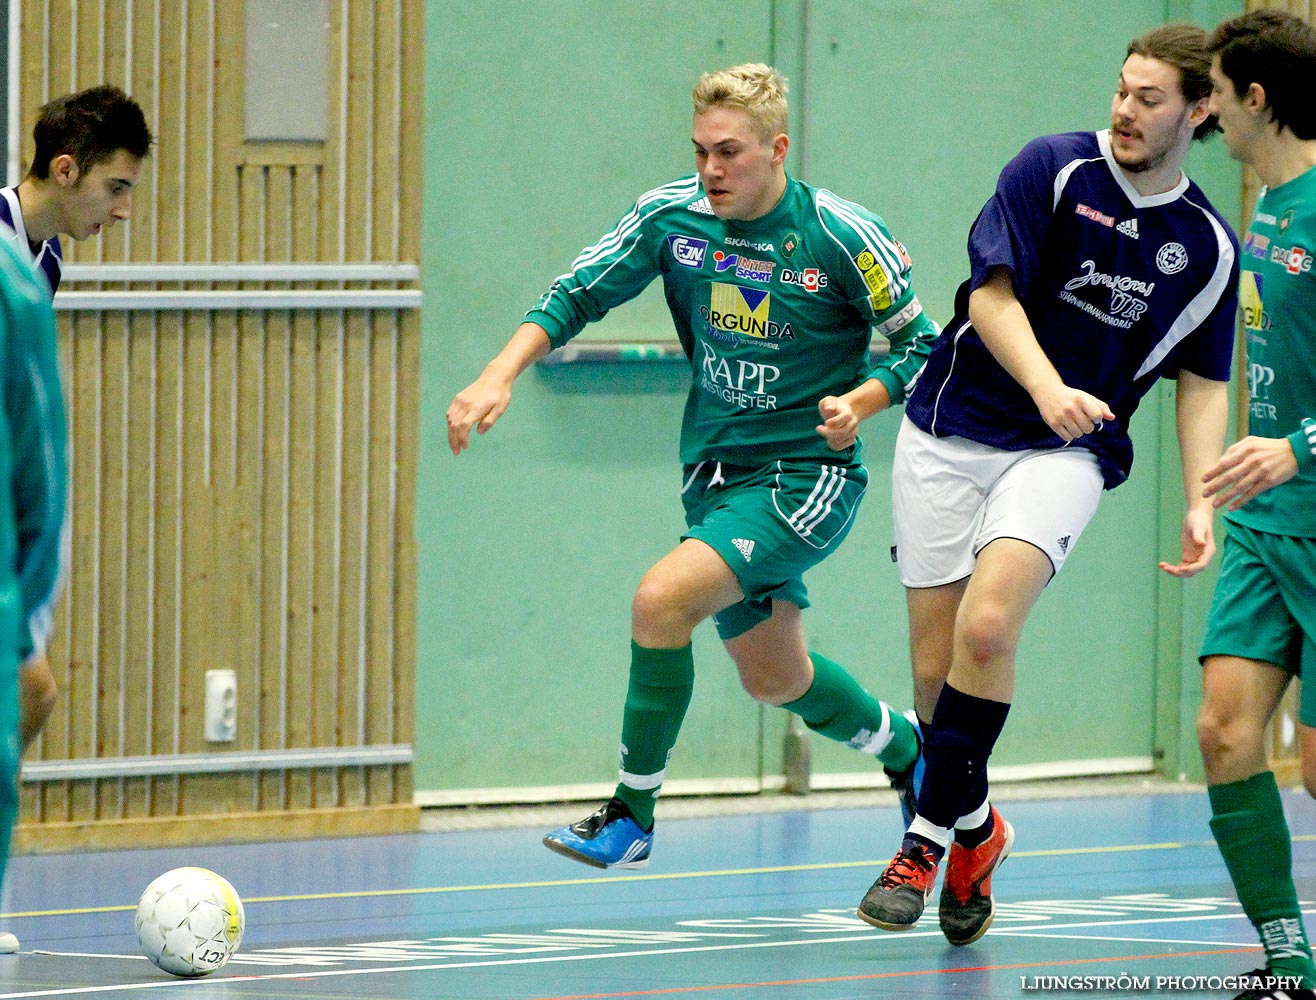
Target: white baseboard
[(858, 781)]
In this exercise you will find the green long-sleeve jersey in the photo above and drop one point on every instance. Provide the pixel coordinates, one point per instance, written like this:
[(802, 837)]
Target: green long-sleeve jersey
[(773, 314), (1278, 298), (33, 459)]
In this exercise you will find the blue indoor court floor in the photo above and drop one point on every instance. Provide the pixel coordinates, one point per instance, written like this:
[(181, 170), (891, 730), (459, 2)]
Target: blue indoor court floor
[(750, 906)]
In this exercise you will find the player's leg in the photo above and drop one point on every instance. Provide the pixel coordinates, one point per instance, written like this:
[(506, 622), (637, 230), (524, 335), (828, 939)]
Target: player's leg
[(1036, 506), (679, 591), (1239, 697), (777, 668), (937, 489), (783, 521), (9, 761), (1258, 635), (932, 613), (37, 695), (969, 717)]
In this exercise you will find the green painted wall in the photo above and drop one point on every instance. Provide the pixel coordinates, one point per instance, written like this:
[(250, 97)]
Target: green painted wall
[(543, 122)]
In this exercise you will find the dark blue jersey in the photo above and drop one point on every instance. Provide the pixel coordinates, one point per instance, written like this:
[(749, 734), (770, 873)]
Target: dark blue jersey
[(1120, 289), (46, 255)]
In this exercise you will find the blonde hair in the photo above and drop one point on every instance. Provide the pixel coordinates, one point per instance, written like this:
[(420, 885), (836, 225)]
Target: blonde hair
[(755, 88)]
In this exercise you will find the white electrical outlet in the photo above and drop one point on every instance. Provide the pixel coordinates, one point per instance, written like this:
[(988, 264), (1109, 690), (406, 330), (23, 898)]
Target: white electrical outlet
[(221, 706)]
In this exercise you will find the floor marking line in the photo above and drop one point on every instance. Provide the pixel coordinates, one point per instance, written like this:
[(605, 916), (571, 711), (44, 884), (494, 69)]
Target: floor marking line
[(618, 879), (858, 935), (1104, 937), (887, 975)]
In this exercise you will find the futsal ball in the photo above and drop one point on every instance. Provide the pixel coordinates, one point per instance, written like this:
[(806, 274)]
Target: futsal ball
[(189, 922)]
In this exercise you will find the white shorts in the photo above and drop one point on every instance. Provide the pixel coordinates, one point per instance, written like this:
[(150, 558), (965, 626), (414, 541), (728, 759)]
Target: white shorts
[(951, 496)]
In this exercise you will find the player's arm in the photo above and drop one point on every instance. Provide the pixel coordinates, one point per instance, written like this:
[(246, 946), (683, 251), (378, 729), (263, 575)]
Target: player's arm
[(1256, 464), (612, 271), (841, 415), (1201, 409), (999, 317), (34, 405), (873, 269), (486, 399)]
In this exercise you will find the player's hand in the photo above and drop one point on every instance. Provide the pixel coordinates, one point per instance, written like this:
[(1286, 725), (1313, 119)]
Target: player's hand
[(477, 406), (1247, 468), (1198, 541), (840, 426), (1070, 412)]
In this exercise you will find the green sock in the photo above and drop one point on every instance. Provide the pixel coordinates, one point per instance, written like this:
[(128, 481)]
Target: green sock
[(837, 706), (662, 681), (1247, 818)]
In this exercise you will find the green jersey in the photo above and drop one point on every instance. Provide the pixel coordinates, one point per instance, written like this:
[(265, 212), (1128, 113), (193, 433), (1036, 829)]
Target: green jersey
[(773, 314), (1278, 298)]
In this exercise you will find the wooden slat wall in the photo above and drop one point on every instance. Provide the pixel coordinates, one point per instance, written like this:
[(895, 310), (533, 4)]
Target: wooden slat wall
[(242, 482), (1285, 754)]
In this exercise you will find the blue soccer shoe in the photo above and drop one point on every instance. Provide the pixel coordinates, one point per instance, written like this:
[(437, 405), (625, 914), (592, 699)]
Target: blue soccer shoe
[(909, 782), (609, 838)]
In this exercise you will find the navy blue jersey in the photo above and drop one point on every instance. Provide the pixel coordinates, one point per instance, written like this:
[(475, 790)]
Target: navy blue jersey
[(46, 255), (1120, 289)]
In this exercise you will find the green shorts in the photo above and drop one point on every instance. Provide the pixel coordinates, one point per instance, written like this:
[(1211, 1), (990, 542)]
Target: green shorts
[(1264, 607), (770, 524)]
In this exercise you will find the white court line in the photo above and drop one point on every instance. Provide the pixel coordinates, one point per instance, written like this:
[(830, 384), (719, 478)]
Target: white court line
[(437, 966), (1102, 937)]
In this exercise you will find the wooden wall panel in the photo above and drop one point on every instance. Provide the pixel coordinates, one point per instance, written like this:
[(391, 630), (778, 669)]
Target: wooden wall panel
[(242, 480)]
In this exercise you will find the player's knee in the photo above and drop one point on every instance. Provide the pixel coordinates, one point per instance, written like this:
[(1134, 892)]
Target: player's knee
[(658, 612), (929, 679), (1309, 779), (766, 686), (39, 691), (986, 635), (1221, 737)]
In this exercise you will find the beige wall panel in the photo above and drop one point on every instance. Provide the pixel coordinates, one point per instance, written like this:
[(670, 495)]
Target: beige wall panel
[(138, 570), (84, 461), (406, 451), (112, 488), (167, 591), (324, 555), (352, 673), (242, 482), (300, 678), (275, 619)]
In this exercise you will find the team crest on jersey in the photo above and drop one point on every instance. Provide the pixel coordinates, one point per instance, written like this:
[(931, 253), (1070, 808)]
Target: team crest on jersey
[(1285, 221), (1172, 258), (875, 278), (688, 251), (736, 311), (789, 245)]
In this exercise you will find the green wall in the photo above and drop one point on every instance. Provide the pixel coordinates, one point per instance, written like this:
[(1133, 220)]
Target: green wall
[(543, 122)]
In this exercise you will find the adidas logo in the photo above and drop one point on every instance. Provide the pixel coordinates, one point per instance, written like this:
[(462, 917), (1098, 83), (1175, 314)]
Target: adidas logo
[(702, 207), (1064, 544), (1129, 228), (745, 545)]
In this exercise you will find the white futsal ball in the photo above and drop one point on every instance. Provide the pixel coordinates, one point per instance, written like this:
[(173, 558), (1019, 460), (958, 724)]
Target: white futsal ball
[(189, 922)]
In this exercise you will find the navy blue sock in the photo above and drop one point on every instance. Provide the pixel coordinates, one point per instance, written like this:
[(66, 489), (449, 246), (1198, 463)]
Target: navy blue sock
[(964, 731)]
